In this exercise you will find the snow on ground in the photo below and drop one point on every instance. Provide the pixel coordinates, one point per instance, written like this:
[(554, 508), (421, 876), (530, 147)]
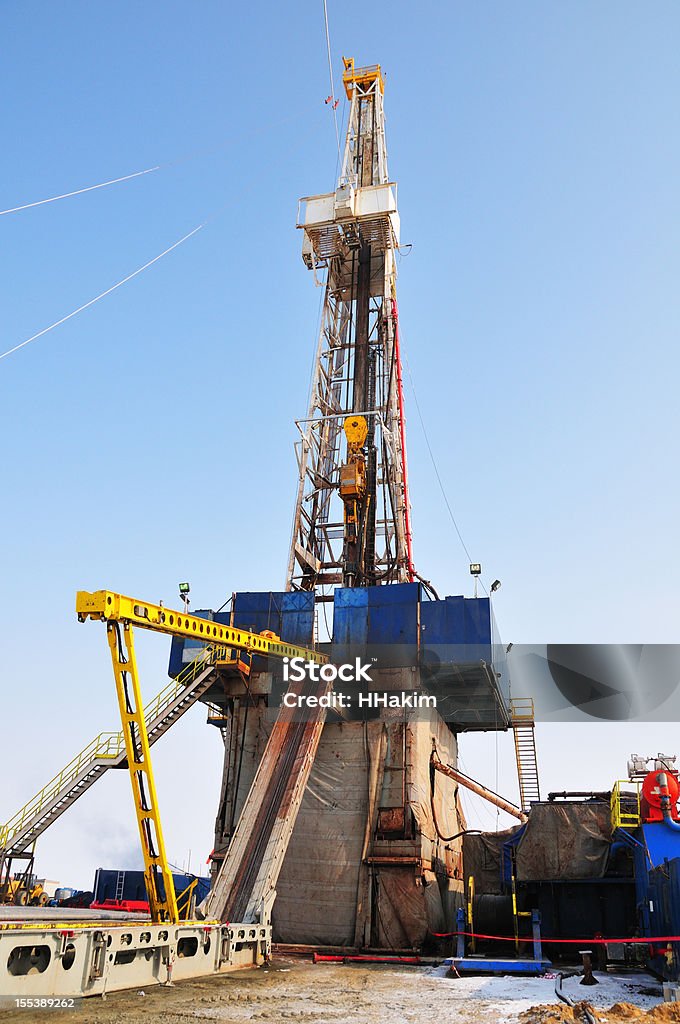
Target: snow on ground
[(511, 995)]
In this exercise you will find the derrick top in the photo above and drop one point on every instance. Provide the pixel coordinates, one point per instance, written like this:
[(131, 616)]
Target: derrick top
[(362, 77)]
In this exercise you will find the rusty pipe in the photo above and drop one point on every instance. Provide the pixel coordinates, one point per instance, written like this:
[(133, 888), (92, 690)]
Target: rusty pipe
[(476, 787)]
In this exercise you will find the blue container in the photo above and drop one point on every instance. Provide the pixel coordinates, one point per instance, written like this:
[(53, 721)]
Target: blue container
[(106, 885), (662, 917), (289, 615), (457, 630)]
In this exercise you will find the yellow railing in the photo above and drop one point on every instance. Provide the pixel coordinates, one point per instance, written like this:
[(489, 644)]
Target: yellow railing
[(105, 746), (522, 710), (184, 900), (627, 818), (361, 76)]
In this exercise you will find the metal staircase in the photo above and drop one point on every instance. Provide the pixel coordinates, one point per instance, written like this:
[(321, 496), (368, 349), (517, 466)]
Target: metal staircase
[(107, 750), (522, 721)]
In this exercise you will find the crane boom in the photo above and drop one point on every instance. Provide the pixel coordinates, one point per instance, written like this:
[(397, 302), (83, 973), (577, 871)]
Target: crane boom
[(121, 613)]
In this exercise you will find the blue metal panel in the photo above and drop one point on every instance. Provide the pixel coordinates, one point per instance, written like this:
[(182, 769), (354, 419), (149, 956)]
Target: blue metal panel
[(462, 624), (350, 615), (350, 597), (664, 917), (493, 965), (258, 611), (106, 881), (662, 842), (433, 621), (457, 620), (393, 614), (395, 593), (477, 620), (454, 620), (297, 617)]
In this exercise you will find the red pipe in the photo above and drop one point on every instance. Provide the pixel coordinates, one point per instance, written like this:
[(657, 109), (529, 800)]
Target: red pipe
[(323, 958), (402, 435)]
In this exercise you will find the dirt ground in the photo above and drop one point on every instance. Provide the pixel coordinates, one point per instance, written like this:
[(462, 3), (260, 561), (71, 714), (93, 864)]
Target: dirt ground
[(293, 991), (619, 1013)]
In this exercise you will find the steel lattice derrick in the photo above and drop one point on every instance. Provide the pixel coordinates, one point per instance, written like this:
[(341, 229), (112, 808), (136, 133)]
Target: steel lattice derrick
[(351, 235)]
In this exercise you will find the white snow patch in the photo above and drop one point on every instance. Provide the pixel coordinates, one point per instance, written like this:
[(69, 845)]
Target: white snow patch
[(612, 988)]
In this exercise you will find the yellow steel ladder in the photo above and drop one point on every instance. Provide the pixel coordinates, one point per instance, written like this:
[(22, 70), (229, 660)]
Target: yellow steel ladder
[(522, 720)]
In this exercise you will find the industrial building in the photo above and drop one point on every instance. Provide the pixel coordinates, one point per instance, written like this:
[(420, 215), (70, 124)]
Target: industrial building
[(341, 826)]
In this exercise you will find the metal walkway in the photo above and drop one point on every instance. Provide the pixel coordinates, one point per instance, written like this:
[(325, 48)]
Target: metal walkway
[(245, 887), (107, 750), (522, 720)]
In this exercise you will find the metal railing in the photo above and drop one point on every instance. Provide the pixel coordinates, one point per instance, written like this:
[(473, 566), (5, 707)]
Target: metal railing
[(624, 817), (184, 900), (106, 746), (522, 710)]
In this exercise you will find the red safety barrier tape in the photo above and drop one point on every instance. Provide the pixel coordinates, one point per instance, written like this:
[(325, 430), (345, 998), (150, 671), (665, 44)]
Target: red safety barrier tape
[(577, 942)]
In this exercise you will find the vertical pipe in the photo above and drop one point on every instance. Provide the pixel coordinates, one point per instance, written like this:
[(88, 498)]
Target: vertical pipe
[(402, 437), (360, 392)]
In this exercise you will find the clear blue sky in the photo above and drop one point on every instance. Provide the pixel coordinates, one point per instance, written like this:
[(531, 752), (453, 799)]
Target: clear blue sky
[(149, 439)]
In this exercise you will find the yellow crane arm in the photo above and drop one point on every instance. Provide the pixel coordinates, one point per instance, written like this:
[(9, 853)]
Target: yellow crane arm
[(112, 607), (121, 613)]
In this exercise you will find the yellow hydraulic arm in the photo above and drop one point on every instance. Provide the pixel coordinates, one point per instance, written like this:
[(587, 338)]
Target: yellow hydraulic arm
[(120, 614)]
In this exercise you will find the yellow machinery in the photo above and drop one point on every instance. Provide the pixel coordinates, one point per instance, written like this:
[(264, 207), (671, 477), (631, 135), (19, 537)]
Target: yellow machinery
[(353, 488), (363, 77), (121, 614), (15, 890)]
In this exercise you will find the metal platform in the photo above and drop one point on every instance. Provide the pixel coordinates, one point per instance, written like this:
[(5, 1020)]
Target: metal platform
[(73, 958), (491, 965)]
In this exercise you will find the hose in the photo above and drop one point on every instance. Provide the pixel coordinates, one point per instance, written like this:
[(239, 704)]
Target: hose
[(559, 992)]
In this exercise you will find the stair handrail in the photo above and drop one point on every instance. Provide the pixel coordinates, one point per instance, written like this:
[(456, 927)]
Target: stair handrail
[(106, 745)]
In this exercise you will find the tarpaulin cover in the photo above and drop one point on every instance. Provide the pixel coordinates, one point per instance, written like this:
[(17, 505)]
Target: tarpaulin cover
[(330, 892), (561, 841), (317, 888), (482, 858), (565, 841)]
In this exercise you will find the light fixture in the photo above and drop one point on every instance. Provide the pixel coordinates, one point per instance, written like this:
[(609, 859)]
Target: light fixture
[(475, 568), (184, 591), (496, 585)]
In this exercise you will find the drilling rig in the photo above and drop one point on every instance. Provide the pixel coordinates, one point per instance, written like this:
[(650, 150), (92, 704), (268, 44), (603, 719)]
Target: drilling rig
[(343, 828), (371, 861), (357, 401)]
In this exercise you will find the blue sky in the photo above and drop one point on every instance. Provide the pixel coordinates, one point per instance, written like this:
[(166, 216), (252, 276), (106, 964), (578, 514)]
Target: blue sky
[(150, 439)]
